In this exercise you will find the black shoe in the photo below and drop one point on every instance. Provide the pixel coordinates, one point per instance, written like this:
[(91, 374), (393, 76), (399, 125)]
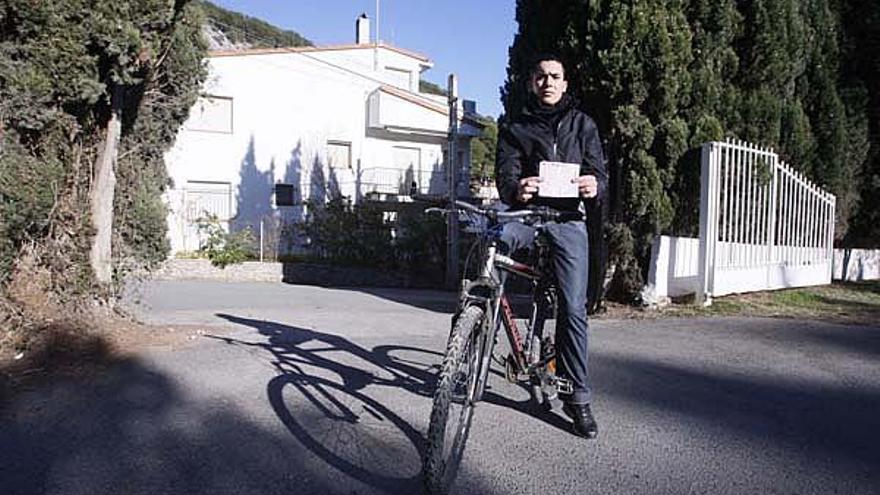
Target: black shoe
[(584, 423)]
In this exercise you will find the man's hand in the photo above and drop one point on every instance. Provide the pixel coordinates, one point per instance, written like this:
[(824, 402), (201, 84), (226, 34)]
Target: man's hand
[(588, 186), (528, 186)]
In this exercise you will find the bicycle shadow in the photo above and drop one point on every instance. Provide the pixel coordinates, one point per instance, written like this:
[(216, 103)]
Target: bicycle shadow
[(320, 395), (526, 407), (325, 396)]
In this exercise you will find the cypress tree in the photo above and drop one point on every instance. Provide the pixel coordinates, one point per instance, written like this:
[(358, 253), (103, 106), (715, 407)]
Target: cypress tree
[(662, 77), (628, 63), (860, 46)]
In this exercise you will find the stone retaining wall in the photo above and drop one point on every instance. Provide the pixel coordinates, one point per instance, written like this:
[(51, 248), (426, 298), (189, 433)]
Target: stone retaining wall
[(302, 273), (201, 269)]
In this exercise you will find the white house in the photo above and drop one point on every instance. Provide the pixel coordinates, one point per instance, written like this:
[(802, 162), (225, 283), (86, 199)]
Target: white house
[(276, 127)]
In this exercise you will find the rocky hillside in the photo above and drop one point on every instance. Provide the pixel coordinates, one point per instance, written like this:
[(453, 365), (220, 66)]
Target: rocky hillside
[(228, 30)]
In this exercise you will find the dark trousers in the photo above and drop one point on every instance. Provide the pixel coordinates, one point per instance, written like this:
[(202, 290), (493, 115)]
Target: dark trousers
[(569, 251)]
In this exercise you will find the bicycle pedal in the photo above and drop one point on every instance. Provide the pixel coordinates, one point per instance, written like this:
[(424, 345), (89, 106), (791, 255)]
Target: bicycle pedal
[(549, 391), (564, 386)]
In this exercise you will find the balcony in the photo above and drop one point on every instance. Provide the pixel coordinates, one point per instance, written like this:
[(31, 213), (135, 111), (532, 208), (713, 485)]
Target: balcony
[(390, 181)]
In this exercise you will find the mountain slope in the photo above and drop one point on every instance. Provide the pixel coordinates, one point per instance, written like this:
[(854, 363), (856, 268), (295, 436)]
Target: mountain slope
[(228, 30)]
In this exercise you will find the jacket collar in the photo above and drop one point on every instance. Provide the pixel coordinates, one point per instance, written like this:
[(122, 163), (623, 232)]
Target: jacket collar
[(547, 114)]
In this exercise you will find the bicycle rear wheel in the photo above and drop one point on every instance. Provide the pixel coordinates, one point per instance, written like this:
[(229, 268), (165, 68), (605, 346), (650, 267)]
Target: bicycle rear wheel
[(454, 402)]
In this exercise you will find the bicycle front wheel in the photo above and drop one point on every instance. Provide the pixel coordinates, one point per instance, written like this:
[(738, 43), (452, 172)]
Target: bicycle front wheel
[(454, 402)]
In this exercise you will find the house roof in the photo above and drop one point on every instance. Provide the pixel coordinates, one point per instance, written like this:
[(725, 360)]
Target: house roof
[(429, 104), (409, 96), (305, 49), (413, 98)]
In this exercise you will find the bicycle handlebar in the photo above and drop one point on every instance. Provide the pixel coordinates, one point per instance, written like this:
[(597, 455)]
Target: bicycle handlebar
[(542, 213)]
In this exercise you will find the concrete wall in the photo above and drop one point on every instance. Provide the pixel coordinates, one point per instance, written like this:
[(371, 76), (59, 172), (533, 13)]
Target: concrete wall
[(674, 269), (675, 261)]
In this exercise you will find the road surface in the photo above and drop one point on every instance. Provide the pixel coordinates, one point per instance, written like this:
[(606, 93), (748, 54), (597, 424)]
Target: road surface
[(274, 388)]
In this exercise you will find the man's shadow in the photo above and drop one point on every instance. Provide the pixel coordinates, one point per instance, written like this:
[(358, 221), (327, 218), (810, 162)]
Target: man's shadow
[(321, 397)]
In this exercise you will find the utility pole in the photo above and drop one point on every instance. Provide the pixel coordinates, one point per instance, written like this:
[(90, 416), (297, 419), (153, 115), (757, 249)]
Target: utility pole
[(451, 186)]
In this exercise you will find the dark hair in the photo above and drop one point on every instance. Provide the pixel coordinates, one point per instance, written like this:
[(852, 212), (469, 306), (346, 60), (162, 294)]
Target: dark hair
[(545, 56)]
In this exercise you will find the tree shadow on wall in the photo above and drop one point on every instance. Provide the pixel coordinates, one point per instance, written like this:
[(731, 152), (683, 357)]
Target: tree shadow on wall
[(289, 226), (437, 182), (282, 230), (254, 194), (291, 216)]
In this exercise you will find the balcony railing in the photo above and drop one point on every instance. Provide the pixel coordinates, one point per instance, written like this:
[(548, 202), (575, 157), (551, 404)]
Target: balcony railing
[(389, 180)]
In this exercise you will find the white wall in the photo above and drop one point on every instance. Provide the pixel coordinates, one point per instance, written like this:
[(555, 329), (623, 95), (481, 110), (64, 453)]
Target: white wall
[(285, 108), (856, 264), (364, 59), (674, 270)]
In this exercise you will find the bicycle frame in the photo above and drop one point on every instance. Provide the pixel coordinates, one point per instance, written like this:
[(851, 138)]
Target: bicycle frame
[(483, 308), (488, 291)]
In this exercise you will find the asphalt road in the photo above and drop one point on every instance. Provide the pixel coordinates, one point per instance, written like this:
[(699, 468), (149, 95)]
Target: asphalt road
[(297, 390)]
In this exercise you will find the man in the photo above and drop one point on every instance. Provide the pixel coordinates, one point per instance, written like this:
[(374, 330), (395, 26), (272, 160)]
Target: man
[(550, 128)]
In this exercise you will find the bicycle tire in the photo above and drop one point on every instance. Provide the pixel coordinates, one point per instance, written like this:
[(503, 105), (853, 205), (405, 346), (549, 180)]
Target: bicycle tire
[(456, 386)]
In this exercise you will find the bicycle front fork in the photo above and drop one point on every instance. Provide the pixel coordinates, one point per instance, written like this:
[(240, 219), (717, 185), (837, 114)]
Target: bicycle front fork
[(486, 341)]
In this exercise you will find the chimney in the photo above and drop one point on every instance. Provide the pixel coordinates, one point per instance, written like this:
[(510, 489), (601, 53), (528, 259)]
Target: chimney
[(362, 31)]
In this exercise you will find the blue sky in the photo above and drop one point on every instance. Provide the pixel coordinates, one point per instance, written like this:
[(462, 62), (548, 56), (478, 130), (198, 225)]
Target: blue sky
[(469, 38)]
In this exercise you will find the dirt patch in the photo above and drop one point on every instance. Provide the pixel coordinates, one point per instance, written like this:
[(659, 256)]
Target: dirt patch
[(82, 347)]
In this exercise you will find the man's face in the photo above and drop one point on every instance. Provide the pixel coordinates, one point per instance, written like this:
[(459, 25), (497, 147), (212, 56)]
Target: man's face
[(548, 82)]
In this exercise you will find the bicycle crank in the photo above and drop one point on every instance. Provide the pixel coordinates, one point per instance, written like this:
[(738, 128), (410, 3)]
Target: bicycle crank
[(510, 369)]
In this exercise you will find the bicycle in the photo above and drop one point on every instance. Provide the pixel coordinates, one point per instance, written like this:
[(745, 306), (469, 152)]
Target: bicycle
[(483, 308)]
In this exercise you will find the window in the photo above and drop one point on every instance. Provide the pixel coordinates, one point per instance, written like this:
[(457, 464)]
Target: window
[(285, 195), (211, 114), (339, 155), (408, 162)]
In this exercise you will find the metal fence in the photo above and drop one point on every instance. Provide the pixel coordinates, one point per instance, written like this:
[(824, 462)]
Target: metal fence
[(763, 225), (399, 181)]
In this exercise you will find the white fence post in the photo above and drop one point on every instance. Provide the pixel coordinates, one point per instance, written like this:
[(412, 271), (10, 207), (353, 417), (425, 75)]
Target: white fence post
[(708, 224)]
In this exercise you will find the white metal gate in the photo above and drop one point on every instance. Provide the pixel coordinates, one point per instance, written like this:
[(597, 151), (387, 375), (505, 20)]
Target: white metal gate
[(762, 224)]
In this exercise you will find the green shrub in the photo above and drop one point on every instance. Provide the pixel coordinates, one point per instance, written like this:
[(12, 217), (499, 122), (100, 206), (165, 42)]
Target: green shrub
[(395, 237), (352, 234), (225, 248), (627, 281)]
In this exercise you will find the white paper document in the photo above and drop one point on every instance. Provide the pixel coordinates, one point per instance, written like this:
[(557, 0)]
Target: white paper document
[(556, 179)]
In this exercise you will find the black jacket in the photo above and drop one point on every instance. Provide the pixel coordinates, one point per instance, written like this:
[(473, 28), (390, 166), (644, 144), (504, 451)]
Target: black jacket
[(531, 137)]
